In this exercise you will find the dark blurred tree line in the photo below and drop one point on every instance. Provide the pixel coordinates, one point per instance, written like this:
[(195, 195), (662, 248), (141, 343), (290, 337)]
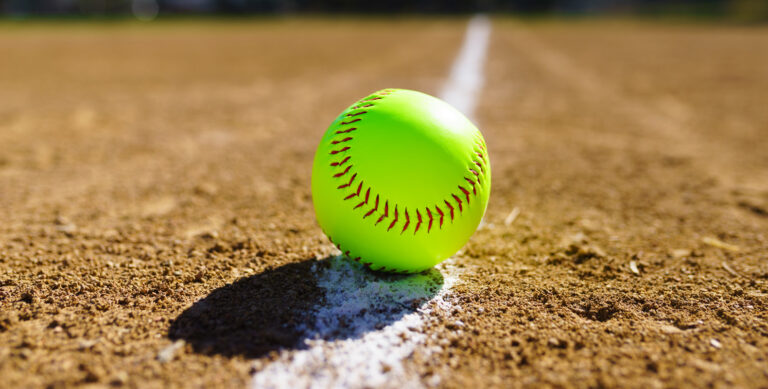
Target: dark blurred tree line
[(746, 10)]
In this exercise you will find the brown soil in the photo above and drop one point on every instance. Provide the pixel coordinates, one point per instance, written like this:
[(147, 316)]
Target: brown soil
[(144, 168)]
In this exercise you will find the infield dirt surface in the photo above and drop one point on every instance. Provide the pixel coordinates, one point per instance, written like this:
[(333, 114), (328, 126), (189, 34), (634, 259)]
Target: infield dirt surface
[(146, 167)]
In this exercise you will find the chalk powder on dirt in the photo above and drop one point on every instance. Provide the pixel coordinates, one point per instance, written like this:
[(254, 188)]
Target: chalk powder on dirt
[(369, 324), (364, 330)]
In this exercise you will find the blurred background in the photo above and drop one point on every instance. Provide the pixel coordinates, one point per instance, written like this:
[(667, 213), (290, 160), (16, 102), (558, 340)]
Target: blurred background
[(731, 10)]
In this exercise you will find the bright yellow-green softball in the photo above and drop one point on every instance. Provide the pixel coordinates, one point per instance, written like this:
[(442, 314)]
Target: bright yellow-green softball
[(400, 181)]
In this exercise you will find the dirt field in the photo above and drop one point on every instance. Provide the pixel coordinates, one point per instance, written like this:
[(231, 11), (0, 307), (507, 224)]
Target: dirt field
[(143, 168)]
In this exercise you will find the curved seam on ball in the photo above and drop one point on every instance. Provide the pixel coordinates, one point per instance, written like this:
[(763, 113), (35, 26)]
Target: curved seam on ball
[(478, 158)]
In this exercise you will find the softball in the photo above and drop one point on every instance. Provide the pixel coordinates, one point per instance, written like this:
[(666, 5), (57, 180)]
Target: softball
[(400, 181)]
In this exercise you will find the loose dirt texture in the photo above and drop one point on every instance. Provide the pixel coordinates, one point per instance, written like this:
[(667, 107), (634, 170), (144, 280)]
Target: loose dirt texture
[(144, 168)]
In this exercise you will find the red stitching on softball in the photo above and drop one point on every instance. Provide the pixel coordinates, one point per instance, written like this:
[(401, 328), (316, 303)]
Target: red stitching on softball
[(356, 259), (348, 183), (458, 201), (474, 190), (348, 130), (482, 170), (418, 224), (367, 193), (342, 173), (342, 161), (449, 207), (393, 221), (354, 194), (345, 148), (375, 208), (466, 193), (386, 213), (419, 220)]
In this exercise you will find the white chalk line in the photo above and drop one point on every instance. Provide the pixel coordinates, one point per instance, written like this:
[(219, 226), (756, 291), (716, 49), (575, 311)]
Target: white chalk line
[(364, 330), (466, 78), (368, 326)]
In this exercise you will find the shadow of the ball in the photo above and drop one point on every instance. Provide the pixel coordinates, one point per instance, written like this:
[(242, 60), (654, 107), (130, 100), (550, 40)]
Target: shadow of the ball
[(281, 308)]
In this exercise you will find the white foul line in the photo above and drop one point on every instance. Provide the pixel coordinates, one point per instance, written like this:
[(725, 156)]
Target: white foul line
[(466, 79), (363, 331)]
